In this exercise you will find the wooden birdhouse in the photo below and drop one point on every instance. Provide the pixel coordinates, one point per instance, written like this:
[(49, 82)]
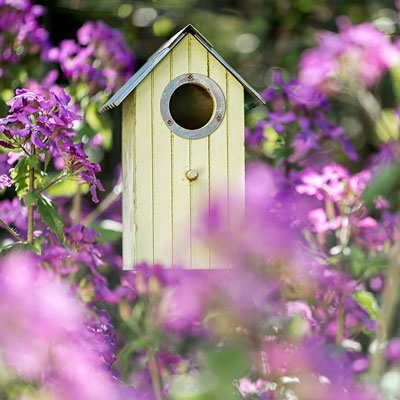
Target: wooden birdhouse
[(182, 144)]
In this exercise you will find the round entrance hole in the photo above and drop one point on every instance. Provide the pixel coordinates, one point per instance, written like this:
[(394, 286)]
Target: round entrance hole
[(191, 106)]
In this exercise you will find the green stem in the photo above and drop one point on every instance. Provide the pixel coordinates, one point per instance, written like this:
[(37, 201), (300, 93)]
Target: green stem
[(6, 227), (103, 206), (344, 234), (340, 319), (31, 207), (77, 206), (155, 376), (58, 178), (390, 299)]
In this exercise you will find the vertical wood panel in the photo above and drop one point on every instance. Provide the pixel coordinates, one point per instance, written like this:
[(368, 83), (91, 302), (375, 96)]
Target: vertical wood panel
[(198, 162), (128, 151), (162, 170), (236, 152), (180, 164), (218, 152), (144, 172)]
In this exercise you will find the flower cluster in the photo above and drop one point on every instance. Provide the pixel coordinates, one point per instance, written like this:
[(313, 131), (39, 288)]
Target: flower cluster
[(340, 206), (101, 58), (299, 111), (358, 54), (39, 126), (20, 32), (45, 337)]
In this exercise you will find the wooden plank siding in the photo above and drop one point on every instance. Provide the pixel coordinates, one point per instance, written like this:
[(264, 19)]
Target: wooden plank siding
[(236, 151), (160, 205), (199, 161), (218, 153), (162, 170), (128, 173), (180, 164), (144, 172)]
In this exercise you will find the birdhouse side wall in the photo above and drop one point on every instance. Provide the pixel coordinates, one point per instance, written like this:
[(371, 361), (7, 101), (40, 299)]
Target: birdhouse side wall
[(160, 205)]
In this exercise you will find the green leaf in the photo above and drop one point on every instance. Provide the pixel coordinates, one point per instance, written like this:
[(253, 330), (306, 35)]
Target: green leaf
[(47, 159), (67, 188), (31, 198), (33, 161), (229, 362), (19, 246), (109, 233), (387, 126), (99, 123), (48, 211), (368, 302), (360, 263), (282, 152), (395, 73), (20, 173), (384, 184)]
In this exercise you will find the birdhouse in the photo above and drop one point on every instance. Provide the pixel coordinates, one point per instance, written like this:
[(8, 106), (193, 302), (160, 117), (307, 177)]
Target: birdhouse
[(182, 144)]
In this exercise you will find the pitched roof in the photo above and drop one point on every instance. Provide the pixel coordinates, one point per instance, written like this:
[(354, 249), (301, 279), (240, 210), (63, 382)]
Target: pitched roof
[(151, 63)]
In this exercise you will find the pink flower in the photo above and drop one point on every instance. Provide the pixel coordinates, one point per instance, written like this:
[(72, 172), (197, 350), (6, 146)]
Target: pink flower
[(357, 51), (320, 222), (44, 337)]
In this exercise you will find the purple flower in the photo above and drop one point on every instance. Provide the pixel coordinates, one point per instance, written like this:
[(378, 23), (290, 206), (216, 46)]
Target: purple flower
[(331, 183), (360, 51), (5, 181), (20, 33), (320, 222), (47, 125), (101, 58), (48, 338), (393, 350), (298, 110)]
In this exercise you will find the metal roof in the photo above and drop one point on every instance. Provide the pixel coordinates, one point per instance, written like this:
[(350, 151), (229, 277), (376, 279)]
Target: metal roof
[(142, 72)]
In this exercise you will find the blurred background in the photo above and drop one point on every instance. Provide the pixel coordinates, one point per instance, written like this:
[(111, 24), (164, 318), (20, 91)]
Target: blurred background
[(253, 36)]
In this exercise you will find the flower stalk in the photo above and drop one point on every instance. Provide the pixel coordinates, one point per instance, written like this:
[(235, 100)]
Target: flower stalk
[(155, 376), (31, 188), (390, 299), (7, 228)]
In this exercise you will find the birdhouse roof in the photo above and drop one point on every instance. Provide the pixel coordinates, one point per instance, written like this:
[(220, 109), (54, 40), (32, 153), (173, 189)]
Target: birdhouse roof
[(151, 63)]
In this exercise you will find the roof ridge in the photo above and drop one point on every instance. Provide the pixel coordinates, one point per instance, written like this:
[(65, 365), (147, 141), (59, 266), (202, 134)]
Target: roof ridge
[(159, 54)]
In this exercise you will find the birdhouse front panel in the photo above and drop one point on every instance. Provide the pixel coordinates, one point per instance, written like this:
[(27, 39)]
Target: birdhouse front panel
[(182, 146)]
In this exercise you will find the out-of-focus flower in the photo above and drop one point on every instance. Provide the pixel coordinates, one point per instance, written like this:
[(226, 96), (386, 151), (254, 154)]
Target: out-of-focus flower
[(47, 86), (360, 52), (20, 32), (44, 334), (388, 153), (299, 110), (101, 58), (393, 350), (314, 371), (331, 183), (340, 204)]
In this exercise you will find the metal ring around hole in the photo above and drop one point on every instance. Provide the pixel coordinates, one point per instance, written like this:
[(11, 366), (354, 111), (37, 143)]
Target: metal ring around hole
[(216, 94)]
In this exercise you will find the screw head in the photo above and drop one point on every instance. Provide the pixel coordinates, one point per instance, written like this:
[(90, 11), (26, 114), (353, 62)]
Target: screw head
[(192, 175), (190, 77), (218, 118), (169, 122)]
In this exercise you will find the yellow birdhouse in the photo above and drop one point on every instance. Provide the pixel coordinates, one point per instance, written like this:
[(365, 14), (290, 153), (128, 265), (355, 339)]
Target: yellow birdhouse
[(182, 144)]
